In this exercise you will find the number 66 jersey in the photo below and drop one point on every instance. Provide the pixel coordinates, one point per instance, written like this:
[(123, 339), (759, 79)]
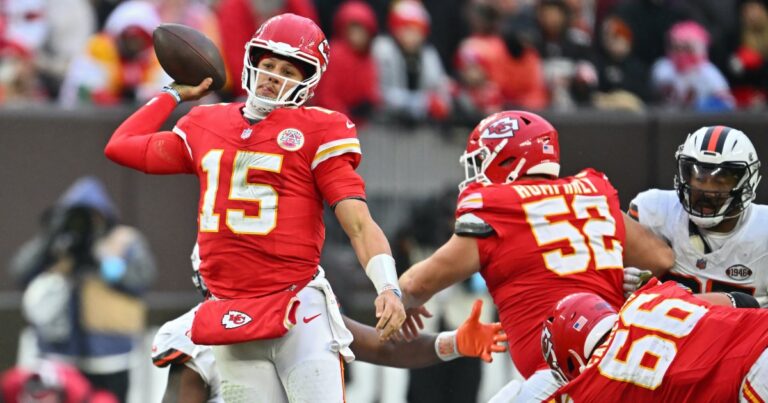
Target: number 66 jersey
[(669, 346), (540, 240), (262, 185)]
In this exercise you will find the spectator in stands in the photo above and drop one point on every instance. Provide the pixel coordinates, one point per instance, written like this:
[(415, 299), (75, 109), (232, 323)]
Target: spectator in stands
[(239, 19), (567, 57), (19, 81), (623, 79), (49, 382), (504, 63), (69, 25), (117, 64), (475, 95), (685, 78), (350, 85), (748, 65), (653, 18), (412, 80), (83, 276), (721, 18)]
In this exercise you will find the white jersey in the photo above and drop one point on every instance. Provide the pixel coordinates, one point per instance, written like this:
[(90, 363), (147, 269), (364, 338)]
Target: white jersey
[(172, 345), (738, 260)]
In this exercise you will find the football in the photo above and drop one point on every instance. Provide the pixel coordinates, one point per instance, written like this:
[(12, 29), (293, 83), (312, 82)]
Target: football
[(188, 56)]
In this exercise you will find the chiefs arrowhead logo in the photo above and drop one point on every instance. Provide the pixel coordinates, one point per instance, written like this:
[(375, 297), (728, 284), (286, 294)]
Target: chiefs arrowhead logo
[(501, 128), (233, 319)]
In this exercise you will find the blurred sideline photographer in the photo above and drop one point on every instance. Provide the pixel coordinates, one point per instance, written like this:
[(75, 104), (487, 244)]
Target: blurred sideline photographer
[(83, 275)]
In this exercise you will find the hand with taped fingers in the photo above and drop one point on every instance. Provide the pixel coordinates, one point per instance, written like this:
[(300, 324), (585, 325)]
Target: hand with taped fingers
[(390, 312), (477, 339), (414, 322)]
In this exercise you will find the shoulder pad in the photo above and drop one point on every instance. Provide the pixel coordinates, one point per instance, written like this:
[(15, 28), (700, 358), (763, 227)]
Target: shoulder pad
[(472, 225)]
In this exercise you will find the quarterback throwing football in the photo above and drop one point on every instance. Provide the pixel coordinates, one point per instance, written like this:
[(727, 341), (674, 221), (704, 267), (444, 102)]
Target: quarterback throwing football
[(265, 168)]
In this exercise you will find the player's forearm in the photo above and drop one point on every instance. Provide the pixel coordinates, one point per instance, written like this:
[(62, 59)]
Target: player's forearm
[(414, 354), (368, 242), (130, 142), (644, 250), (416, 286)]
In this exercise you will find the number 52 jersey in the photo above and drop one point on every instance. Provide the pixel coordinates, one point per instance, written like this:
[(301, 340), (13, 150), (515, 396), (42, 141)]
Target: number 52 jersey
[(543, 240), (737, 261)]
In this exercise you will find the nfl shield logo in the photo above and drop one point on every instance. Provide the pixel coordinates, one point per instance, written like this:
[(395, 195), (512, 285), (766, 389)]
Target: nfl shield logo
[(701, 264), (246, 133)]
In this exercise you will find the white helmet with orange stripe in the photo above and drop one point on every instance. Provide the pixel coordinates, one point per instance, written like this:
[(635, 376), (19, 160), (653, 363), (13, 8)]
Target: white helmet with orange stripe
[(717, 174)]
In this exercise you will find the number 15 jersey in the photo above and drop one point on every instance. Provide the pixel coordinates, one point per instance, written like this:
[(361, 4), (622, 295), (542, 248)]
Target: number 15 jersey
[(544, 240), (262, 185)]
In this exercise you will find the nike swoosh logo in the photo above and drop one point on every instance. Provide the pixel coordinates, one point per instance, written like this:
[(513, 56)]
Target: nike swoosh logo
[(310, 319), (350, 125)]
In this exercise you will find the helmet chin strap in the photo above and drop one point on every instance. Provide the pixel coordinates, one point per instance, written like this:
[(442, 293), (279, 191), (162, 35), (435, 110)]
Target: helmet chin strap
[(516, 172)]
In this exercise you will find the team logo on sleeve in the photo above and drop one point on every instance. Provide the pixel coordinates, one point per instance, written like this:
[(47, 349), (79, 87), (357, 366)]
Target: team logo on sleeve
[(290, 139), (233, 319)]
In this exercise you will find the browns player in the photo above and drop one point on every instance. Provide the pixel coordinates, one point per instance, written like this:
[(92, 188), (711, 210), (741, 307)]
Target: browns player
[(265, 168), (666, 345), (716, 231), (534, 237)]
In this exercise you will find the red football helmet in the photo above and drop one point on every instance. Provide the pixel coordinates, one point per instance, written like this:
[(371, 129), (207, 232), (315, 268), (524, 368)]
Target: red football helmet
[(508, 145), (297, 39), (578, 323)]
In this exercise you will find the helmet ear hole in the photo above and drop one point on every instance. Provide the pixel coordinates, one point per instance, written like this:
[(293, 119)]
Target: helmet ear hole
[(508, 161), (525, 119)]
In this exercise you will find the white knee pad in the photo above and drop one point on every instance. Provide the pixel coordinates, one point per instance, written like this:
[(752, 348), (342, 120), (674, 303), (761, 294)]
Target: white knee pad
[(315, 381)]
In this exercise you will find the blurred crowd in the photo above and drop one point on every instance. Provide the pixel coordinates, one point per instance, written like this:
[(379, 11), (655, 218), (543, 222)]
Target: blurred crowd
[(413, 61)]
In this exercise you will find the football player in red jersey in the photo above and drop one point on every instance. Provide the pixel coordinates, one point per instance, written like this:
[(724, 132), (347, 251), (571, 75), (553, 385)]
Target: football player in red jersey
[(534, 237), (265, 167), (664, 345)]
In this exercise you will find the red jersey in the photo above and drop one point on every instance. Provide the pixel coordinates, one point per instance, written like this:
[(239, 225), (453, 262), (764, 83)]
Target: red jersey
[(550, 239), (669, 346), (262, 186)]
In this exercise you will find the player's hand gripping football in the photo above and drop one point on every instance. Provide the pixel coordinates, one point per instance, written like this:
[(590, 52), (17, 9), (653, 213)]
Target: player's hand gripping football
[(193, 93), (391, 314), (478, 339)]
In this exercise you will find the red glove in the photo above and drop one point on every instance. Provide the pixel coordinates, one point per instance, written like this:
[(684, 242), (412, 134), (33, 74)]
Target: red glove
[(477, 339)]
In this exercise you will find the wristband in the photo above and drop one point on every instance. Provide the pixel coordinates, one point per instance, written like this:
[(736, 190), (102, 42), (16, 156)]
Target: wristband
[(175, 93), (381, 270), (446, 347)]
